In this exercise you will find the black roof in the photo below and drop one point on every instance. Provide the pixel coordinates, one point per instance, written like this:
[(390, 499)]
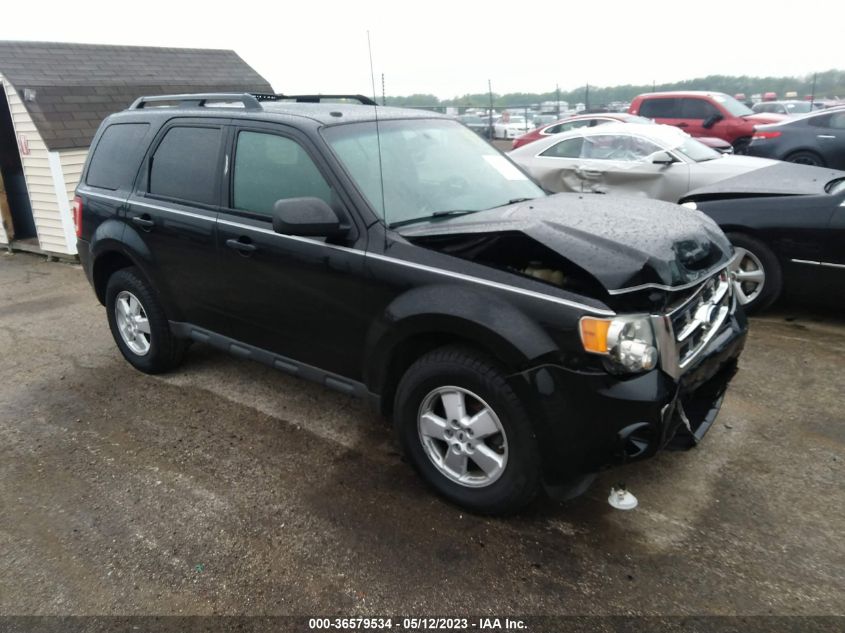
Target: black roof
[(77, 85)]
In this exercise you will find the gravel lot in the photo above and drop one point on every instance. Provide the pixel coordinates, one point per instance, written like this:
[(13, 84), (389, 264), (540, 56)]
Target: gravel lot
[(227, 487)]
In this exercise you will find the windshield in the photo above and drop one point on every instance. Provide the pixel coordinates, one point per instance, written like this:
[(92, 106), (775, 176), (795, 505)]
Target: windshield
[(696, 151), (430, 166), (732, 105)]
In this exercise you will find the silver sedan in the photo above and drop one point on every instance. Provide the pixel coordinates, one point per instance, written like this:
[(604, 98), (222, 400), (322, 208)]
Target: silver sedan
[(654, 161)]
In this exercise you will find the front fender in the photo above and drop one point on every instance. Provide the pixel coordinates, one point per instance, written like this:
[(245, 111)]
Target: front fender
[(453, 310)]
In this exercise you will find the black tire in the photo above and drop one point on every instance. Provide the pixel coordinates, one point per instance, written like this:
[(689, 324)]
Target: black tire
[(519, 481), (741, 144), (165, 350), (805, 157), (773, 281)]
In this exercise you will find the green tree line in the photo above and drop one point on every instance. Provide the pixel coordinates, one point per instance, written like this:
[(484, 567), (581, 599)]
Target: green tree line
[(829, 84)]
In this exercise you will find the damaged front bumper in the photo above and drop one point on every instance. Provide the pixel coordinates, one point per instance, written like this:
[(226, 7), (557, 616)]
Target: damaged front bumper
[(588, 421)]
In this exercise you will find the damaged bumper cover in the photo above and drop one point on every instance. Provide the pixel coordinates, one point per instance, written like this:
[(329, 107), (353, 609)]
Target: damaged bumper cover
[(590, 420)]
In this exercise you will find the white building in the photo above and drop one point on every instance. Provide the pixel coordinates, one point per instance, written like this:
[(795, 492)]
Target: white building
[(54, 97)]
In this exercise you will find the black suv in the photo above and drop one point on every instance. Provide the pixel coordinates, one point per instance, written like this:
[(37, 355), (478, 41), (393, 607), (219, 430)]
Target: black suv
[(516, 339)]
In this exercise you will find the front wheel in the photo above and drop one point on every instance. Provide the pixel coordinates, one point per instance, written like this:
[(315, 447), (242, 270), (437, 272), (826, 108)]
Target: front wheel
[(466, 432), (755, 272)]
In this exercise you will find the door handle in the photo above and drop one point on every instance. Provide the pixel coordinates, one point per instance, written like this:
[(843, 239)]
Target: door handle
[(144, 221), (825, 136), (681, 124), (246, 248)]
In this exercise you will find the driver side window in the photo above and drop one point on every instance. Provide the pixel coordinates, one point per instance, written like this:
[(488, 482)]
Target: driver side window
[(617, 147), (268, 168)]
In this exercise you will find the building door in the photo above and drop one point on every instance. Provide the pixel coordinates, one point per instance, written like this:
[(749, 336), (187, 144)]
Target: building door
[(14, 183)]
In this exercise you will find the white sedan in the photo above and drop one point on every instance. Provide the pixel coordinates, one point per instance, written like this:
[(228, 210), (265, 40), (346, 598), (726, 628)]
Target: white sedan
[(654, 161), (516, 125)]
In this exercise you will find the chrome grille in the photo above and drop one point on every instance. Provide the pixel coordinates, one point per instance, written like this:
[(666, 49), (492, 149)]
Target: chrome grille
[(699, 318)]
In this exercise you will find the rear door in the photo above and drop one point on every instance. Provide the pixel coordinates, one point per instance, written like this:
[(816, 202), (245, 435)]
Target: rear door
[(666, 110), (299, 297), (170, 218), (829, 132)]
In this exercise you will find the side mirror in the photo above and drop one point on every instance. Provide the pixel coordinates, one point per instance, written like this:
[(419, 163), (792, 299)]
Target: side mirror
[(712, 120), (662, 158), (308, 217)]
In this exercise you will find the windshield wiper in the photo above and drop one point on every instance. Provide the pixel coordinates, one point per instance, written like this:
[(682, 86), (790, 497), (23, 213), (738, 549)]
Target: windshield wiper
[(436, 214), (511, 201)]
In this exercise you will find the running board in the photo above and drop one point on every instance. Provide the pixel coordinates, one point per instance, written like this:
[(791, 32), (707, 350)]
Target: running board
[(282, 363)]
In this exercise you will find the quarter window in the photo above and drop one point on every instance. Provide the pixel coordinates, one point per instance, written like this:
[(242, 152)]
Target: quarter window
[(270, 168), (117, 156), (185, 163)]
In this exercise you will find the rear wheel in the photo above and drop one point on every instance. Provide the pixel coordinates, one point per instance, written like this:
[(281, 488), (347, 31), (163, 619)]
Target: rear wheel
[(466, 432), (755, 272), (139, 325), (805, 158)]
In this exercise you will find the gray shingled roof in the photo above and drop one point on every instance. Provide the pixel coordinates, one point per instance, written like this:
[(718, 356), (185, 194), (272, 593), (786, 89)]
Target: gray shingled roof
[(78, 85)]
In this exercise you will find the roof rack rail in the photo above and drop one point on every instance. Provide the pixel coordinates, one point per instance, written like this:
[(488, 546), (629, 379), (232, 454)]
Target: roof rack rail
[(312, 98), (249, 101)]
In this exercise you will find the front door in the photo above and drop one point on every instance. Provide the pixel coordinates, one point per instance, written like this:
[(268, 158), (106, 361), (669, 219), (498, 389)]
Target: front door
[(300, 297)]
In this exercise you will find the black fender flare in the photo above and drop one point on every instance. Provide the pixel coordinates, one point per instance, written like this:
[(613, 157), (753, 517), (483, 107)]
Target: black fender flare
[(476, 316)]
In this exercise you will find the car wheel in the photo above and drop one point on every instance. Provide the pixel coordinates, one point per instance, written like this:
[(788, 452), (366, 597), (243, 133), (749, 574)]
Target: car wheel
[(466, 432), (755, 272), (139, 325), (805, 158), (740, 145)]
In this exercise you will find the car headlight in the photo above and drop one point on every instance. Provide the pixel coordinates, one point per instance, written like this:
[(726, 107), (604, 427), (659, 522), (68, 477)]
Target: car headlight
[(627, 342)]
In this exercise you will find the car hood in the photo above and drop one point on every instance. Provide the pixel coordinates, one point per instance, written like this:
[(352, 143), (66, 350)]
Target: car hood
[(622, 242), (779, 179)]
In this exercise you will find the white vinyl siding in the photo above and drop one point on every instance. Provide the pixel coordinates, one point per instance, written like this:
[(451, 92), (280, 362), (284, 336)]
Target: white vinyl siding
[(51, 215), (73, 160)]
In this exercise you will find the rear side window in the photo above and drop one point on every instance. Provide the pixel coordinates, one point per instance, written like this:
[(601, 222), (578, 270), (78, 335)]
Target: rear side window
[(117, 156), (663, 108), (570, 148), (184, 165), (270, 168)]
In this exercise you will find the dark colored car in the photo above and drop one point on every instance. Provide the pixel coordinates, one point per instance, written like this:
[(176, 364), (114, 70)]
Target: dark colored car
[(591, 120), (515, 338), (700, 113), (815, 139), (787, 224)]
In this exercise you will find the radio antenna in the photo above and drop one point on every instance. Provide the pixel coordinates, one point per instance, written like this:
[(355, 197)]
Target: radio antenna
[(378, 134)]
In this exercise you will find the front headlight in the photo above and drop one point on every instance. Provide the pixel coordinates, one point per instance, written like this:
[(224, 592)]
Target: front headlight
[(626, 341)]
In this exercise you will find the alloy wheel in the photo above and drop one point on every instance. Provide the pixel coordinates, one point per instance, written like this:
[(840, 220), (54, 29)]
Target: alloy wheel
[(748, 275), (132, 322), (462, 436)]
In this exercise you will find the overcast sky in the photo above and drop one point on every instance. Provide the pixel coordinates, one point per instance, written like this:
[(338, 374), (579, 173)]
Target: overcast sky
[(452, 48)]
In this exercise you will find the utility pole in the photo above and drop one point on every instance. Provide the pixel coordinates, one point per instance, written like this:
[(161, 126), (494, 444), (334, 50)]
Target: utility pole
[(813, 92), (587, 97), (383, 97), (490, 111)]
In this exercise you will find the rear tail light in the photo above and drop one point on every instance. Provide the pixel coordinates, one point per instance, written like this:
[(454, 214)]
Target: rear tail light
[(77, 215), (759, 136)]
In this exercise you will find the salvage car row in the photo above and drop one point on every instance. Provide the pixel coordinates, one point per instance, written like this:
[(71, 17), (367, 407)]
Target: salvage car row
[(785, 220)]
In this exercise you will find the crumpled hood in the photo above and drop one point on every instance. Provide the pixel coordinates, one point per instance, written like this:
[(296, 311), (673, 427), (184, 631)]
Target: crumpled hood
[(623, 242), (780, 179)]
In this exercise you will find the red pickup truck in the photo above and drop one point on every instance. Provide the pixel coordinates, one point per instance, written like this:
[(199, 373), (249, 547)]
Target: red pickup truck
[(701, 113)]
